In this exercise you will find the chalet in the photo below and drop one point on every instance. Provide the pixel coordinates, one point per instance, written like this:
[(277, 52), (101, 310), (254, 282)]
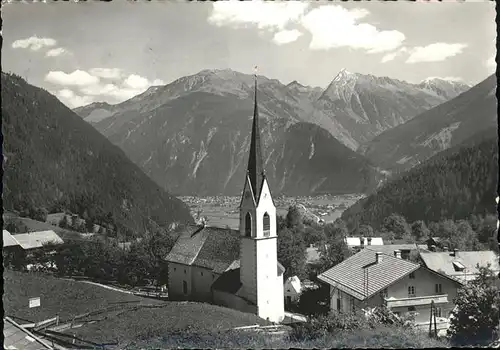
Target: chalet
[(370, 279), (357, 243), (36, 240), (237, 269), (460, 265), (403, 249), (292, 290)]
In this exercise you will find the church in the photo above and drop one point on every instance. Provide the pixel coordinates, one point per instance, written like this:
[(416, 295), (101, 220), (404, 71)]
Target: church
[(236, 269)]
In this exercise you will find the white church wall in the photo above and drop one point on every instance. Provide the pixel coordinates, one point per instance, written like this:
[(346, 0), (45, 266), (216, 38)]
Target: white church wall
[(179, 281), (201, 282), (233, 301)]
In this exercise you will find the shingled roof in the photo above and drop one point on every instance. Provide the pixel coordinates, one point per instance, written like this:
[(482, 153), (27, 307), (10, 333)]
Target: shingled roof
[(445, 262), (348, 276), (209, 247)]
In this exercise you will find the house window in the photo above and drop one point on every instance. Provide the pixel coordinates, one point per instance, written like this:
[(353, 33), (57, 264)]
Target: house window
[(248, 225), (267, 225), (353, 305), (412, 275), (339, 304), (184, 287), (439, 288), (411, 291), (438, 312), (288, 300), (412, 309), (175, 269), (201, 273), (184, 271)]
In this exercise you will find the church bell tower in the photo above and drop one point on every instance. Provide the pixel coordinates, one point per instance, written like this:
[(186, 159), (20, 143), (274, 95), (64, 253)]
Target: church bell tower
[(261, 275)]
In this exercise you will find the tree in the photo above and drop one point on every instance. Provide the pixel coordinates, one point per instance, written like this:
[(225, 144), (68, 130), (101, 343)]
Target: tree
[(419, 230), (294, 218), (397, 224), (292, 252), (476, 316), (365, 231), (313, 235), (336, 230), (333, 252), (16, 226)]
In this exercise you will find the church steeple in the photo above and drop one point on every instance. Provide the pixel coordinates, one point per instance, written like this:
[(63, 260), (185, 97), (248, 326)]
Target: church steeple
[(255, 164)]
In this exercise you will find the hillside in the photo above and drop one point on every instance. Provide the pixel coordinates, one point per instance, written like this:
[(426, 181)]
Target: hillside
[(453, 184), (354, 108), (54, 159), (197, 144), (442, 127)]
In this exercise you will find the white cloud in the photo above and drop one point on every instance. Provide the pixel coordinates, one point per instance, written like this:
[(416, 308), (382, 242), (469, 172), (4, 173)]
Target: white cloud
[(445, 78), (135, 81), (72, 100), (435, 52), (273, 16), (117, 93), (157, 82), (333, 26), (34, 43), (106, 73), (58, 51), (76, 78), (286, 36), (491, 63), (91, 85), (391, 56)]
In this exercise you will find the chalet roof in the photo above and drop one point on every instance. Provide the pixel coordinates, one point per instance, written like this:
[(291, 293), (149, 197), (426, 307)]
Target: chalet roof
[(349, 275), (450, 265), (8, 239), (356, 241), (32, 240), (210, 247), (17, 337), (390, 248), (294, 282)]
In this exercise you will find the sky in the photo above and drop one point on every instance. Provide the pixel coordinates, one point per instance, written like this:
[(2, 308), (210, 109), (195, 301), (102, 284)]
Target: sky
[(85, 52)]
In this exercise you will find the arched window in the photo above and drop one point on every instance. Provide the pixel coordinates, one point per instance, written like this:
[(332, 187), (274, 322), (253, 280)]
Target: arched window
[(248, 225), (267, 225)]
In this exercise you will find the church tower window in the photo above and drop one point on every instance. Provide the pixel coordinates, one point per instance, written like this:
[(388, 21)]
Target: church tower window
[(248, 225), (267, 225)]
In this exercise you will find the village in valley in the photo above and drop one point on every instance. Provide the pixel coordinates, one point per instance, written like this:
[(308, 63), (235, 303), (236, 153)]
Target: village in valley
[(229, 210)]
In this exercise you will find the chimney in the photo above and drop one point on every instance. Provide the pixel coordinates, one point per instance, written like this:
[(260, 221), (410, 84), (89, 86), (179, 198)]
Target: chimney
[(445, 249), (362, 242), (397, 253), (432, 248), (378, 256), (369, 239), (454, 252)]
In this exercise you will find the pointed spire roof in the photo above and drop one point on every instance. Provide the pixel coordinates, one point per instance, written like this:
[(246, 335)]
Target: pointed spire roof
[(255, 164)]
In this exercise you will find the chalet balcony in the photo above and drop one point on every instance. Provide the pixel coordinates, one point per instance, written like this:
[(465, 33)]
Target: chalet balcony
[(416, 301)]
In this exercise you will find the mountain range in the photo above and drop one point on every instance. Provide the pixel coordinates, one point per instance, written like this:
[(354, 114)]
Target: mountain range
[(354, 108), (437, 129), (191, 136), (52, 158)]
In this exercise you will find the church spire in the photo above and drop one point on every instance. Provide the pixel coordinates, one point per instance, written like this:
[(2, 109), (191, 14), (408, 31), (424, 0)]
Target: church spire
[(255, 164)]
